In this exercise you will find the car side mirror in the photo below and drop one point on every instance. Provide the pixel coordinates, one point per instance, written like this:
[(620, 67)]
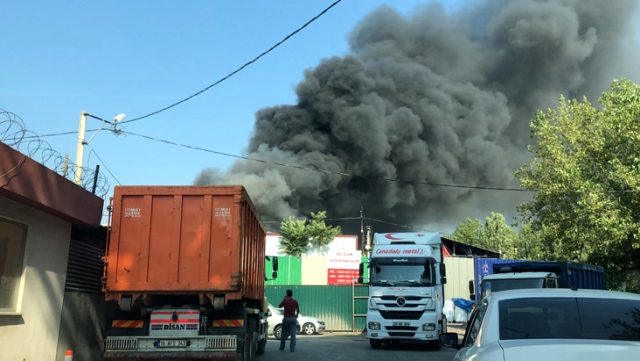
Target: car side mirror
[(269, 313), (450, 339)]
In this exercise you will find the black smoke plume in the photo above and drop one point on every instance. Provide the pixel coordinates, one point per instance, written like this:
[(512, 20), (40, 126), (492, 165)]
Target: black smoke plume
[(437, 97)]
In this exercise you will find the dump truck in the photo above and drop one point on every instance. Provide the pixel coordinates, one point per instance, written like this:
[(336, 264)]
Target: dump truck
[(406, 293), (185, 272)]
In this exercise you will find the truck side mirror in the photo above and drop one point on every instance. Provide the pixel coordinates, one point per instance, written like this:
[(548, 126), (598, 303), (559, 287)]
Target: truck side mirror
[(472, 289), (274, 264), (450, 339), (360, 271), (443, 274)]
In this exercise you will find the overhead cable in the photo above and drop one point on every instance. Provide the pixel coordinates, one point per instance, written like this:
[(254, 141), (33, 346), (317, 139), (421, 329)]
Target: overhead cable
[(250, 62), (316, 169)]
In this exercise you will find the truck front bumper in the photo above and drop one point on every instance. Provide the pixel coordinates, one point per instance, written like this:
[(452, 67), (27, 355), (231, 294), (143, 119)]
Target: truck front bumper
[(401, 329)]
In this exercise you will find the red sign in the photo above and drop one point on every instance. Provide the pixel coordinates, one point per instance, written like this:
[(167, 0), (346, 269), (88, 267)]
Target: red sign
[(337, 276)]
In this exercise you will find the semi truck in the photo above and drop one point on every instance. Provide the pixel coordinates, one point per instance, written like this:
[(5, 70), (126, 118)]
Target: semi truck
[(542, 274), (185, 272), (406, 293)]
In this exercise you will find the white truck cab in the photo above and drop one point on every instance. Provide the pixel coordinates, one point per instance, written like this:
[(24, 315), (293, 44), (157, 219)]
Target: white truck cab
[(406, 295)]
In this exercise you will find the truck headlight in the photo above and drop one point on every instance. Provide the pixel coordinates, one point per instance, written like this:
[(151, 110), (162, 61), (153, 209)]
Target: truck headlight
[(372, 304), (429, 327), (374, 325)]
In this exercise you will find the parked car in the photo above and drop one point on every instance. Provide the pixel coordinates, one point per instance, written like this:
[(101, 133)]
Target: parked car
[(551, 324), (306, 325)]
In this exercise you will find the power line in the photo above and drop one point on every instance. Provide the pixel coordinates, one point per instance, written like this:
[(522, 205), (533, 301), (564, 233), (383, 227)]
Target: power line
[(106, 167), (250, 62), (316, 169), (57, 134)]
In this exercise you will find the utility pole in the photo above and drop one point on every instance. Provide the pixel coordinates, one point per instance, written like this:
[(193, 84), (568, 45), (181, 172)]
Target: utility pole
[(82, 128)]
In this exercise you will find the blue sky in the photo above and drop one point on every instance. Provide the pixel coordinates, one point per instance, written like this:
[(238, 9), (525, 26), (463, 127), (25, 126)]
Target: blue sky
[(136, 57)]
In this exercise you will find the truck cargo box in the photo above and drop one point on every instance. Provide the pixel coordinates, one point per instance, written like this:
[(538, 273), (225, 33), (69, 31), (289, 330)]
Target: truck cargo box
[(570, 274), (185, 240)]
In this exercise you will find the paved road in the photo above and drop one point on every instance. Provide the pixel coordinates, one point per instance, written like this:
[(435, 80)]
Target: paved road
[(347, 347)]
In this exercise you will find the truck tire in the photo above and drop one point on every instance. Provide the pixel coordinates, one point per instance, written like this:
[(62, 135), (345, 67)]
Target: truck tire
[(262, 345), (375, 344)]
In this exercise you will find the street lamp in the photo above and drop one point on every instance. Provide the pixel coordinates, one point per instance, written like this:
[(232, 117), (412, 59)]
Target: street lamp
[(82, 128)]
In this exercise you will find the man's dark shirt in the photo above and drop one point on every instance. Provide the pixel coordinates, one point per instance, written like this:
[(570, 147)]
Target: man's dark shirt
[(290, 306)]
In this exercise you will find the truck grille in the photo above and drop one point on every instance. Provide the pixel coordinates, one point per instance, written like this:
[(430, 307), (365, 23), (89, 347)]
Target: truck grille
[(408, 298), (221, 343), (402, 334), (401, 328), (113, 344), (401, 315)]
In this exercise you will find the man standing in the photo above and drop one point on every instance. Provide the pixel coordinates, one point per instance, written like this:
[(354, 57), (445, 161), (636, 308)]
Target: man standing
[(290, 321)]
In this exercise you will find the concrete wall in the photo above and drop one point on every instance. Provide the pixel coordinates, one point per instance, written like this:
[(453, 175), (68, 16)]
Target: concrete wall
[(83, 325), (459, 273), (32, 335)]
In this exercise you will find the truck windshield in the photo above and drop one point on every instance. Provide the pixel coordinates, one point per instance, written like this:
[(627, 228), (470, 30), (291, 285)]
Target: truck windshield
[(489, 286), (410, 273)]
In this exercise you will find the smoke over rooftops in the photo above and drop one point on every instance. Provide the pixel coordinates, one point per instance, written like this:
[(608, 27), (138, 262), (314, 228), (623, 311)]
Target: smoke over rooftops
[(436, 97)]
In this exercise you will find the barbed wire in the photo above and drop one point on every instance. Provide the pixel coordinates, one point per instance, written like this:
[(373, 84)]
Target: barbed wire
[(15, 134)]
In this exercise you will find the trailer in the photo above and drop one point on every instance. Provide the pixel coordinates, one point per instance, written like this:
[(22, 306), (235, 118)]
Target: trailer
[(185, 268)]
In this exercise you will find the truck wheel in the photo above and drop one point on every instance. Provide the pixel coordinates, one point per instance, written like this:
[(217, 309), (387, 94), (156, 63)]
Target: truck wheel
[(375, 343), (308, 328), (253, 341), (262, 345)]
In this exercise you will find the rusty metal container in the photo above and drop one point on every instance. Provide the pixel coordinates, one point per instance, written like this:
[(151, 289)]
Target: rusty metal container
[(185, 240)]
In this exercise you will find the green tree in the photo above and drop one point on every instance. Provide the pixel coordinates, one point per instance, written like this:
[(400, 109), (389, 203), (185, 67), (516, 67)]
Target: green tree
[(297, 235), (494, 234), (294, 237), (320, 234), (529, 244), (499, 236), (586, 171), (470, 231)]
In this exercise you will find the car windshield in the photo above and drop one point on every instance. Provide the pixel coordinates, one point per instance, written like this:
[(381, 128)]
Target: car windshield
[(570, 318), (409, 273)]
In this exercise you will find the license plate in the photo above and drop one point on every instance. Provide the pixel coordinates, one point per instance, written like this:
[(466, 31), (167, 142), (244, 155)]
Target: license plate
[(173, 343), (401, 323)]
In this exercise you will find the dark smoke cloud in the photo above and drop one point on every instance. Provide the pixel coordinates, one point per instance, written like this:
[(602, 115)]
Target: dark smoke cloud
[(437, 97)]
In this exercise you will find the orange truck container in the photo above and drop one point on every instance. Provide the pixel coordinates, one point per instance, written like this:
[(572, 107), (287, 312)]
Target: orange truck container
[(186, 266)]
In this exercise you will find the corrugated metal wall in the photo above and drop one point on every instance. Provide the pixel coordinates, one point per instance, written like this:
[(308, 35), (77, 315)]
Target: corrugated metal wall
[(332, 304), (459, 273), (289, 271)]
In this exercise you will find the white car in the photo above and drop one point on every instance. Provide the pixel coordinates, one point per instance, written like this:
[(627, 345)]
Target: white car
[(551, 324), (306, 325)]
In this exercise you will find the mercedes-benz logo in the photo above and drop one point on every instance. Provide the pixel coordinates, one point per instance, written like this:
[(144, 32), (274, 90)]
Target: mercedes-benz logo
[(400, 301)]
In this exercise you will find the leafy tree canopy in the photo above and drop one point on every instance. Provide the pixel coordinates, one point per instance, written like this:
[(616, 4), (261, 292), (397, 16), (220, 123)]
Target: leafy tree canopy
[(298, 235), (586, 171)]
